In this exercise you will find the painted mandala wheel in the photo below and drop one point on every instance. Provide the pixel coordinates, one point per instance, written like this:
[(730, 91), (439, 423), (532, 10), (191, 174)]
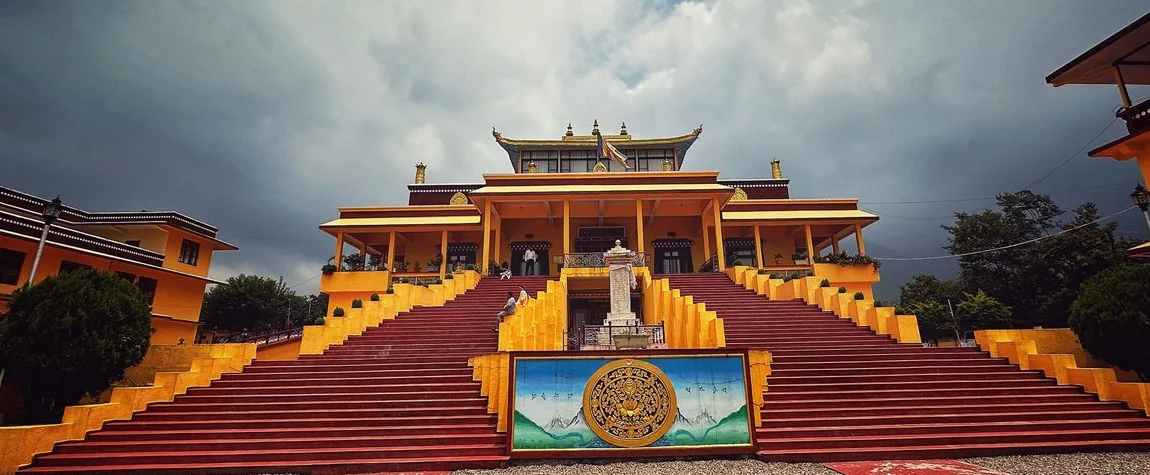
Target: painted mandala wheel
[(629, 403)]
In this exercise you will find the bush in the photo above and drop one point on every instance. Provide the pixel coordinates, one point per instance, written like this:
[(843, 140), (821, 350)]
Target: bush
[(1112, 317), (859, 296), (842, 290), (773, 276), (448, 277), (738, 262), (328, 269), (843, 259), (357, 303), (374, 297), (72, 335), (879, 303), (979, 311), (825, 283), (338, 312), (787, 278), (763, 272), (390, 290)]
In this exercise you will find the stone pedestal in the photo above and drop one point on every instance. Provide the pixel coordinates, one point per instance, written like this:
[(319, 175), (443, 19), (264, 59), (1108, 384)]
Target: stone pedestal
[(620, 261)]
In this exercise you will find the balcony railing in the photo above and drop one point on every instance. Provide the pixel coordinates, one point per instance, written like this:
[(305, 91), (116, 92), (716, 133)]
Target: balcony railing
[(1137, 117), (603, 336), (263, 338), (595, 259)]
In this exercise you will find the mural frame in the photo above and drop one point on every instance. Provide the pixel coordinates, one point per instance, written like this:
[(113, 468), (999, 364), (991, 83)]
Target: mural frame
[(667, 451)]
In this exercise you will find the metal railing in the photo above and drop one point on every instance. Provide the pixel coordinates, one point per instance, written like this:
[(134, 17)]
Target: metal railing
[(603, 336), (261, 339), (595, 259)]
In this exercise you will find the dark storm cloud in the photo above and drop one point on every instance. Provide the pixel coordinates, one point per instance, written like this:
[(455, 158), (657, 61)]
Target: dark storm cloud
[(202, 106), (162, 105)]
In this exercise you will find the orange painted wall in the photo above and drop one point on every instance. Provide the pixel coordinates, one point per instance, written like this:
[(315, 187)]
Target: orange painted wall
[(282, 351), (169, 332), (172, 253)]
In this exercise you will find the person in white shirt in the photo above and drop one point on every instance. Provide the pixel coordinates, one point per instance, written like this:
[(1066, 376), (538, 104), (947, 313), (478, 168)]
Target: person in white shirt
[(529, 259), (508, 309)]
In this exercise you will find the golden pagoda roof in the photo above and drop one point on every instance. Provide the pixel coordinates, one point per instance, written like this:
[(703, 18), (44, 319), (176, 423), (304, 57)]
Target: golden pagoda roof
[(589, 142)]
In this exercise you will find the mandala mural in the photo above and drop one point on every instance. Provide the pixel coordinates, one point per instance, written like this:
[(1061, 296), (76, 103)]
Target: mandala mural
[(629, 403)]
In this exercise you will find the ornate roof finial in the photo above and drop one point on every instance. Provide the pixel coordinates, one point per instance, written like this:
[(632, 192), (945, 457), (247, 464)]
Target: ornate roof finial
[(623, 131), (595, 129), (776, 169), (699, 130), (532, 167), (668, 165), (569, 131), (495, 134), (420, 173)]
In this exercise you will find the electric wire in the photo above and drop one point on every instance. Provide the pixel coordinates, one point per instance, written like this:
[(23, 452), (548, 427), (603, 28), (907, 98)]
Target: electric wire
[(1000, 248)]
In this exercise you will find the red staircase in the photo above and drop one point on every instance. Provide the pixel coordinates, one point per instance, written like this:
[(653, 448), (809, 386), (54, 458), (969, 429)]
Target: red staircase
[(838, 392), (397, 398)]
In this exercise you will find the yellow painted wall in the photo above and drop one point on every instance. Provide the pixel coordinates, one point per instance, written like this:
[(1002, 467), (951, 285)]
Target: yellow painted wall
[(172, 253), (282, 351), (152, 238), (169, 331)]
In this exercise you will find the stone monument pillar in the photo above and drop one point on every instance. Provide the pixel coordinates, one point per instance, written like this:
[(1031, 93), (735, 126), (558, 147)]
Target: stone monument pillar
[(620, 261)]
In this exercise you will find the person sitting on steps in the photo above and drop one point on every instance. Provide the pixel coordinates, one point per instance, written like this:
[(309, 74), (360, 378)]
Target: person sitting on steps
[(508, 309), (504, 272)]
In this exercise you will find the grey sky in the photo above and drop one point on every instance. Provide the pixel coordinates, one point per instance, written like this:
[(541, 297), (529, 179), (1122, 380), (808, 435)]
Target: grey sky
[(263, 117)]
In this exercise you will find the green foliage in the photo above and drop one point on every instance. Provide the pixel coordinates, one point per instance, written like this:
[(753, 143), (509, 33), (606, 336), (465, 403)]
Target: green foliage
[(843, 259), (374, 297), (448, 277), (842, 290), (253, 303), (859, 296), (71, 335), (879, 303), (390, 290), (355, 262), (469, 267), (763, 272), (1038, 281), (825, 283), (357, 303), (1112, 317), (798, 256), (980, 311), (926, 297), (786, 277), (738, 262), (338, 312)]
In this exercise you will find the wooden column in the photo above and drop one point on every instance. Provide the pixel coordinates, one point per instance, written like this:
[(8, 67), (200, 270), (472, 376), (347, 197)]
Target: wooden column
[(810, 246), (706, 241), (498, 238), (443, 256), (759, 249), (834, 244), (639, 224), (859, 239), (566, 226), (719, 250), (486, 236), (391, 251), (339, 250)]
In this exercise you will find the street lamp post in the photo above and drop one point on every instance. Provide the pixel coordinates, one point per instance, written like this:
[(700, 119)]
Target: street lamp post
[(51, 212), (1141, 198)]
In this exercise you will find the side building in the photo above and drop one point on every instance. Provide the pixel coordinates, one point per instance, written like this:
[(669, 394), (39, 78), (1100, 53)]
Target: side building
[(167, 255)]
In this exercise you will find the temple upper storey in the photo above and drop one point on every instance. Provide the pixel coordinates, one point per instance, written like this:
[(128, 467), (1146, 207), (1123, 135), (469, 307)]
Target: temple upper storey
[(579, 153)]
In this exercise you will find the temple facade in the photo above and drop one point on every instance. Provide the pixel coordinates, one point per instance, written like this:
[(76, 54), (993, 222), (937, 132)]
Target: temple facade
[(167, 254), (563, 205)]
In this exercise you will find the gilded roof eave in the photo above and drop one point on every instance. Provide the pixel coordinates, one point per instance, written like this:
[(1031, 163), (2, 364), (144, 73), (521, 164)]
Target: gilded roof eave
[(514, 146)]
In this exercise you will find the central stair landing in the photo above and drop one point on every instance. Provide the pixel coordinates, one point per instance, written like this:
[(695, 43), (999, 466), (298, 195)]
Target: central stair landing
[(839, 392), (399, 397)]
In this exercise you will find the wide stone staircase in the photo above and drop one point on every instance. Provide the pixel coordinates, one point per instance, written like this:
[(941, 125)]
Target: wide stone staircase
[(399, 397), (838, 392)]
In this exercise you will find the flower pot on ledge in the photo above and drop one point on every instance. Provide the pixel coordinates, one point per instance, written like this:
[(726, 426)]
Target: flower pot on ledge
[(837, 273)]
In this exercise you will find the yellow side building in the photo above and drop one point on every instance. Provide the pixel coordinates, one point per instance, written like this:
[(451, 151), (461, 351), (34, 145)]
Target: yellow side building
[(166, 254)]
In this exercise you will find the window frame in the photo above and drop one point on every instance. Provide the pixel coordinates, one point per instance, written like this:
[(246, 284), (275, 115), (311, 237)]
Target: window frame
[(9, 256), (189, 252)]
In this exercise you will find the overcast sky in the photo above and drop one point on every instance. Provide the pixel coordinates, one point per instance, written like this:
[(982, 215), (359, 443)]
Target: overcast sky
[(262, 117)]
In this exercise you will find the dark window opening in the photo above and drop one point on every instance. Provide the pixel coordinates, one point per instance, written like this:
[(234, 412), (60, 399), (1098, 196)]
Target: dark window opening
[(10, 264), (69, 266), (189, 252), (148, 288), (134, 242)]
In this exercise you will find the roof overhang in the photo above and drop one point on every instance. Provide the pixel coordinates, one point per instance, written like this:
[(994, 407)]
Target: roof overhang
[(1124, 148), (403, 218), (800, 215), (1128, 50), (590, 142), (1142, 250)]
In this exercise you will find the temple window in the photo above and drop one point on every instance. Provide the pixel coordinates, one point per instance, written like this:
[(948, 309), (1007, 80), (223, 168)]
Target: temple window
[(10, 264), (69, 266), (546, 161), (148, 288), (189, 252)]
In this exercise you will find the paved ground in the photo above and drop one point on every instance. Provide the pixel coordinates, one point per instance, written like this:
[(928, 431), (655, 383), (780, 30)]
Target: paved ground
[(1063, 464)]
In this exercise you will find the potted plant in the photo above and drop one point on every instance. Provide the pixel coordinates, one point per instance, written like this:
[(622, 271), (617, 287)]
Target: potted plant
[(859, 296), (842, 290), (374, 297), (357, 303), (800, 258), (338, 312), (778, 259), (417, 267), (390, 291), (825, 283), (329, 268)]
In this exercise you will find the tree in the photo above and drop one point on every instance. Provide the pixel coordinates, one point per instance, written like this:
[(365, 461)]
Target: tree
[(248, 303), (1038, 281), (71, 335), (354, 262), (928, 298), (979, 311), (1112, 317)]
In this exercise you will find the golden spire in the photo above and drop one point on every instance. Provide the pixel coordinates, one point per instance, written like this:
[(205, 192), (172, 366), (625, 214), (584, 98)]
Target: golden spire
[(668, 165), (420, 173), (623, 131), (595, 129), (531, 167), (776, 169), (569, 131)]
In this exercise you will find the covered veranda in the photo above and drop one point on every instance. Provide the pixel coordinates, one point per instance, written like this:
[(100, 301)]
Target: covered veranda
[(788, 235)]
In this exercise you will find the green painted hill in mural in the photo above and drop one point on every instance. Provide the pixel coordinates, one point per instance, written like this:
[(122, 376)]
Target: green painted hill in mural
[(731, 430), (528, 435)]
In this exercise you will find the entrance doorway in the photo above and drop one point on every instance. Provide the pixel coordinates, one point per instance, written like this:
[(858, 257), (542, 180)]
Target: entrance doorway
[(673, 256), (542, 261), (599, 238)]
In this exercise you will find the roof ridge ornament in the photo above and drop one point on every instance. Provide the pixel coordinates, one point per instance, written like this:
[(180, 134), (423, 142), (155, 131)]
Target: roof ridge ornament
[(595, 128), (623, 130), (495, 134), (570, 132), (698, 130)]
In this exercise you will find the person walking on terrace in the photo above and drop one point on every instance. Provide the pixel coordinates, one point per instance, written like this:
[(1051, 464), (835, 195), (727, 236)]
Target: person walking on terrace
[(508, 309), (529, 260)]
